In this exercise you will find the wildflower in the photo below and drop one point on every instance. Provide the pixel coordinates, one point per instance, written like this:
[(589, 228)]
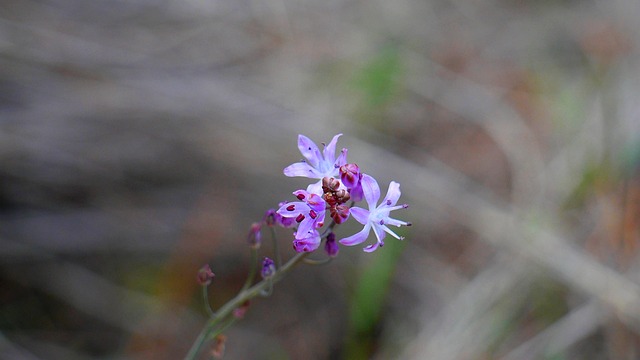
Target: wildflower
[(268, 268), (306, 242), (309, 212), (377, 217), (317, 165), (205, 275), (331, 246)]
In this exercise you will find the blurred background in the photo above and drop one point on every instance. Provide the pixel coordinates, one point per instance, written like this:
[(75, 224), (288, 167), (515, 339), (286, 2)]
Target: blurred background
[(140, 139)]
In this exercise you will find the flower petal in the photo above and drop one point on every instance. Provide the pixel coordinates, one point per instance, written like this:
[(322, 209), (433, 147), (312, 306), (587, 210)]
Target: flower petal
[(379, 231), (386, 229), (358, 237), (307, 244), (373, 247), (393, 194), (342, 158), (301, 169), (309, 150), (371, 190), (292, 209), (361, 215), (329, 151)]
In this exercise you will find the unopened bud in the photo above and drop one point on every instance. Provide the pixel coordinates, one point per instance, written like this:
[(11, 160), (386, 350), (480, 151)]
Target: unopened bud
[(241, 310), (217, 350), (205, 275), (339, 213), (268, 268), (350, 175), (255, 236), (331, 245)]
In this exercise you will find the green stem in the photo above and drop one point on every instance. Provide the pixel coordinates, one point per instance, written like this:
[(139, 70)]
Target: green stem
[(207, 306), (276, 250), (242, 296), (252, 269)]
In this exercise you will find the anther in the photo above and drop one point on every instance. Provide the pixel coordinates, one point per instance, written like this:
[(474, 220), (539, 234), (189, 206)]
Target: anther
[(312, 214), (291, 207), (300, 196), (300, 218)]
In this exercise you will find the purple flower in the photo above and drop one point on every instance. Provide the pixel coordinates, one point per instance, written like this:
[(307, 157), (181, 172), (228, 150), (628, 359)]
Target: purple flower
[(317, 164), (377, 217), (306, 242), (309, 212)]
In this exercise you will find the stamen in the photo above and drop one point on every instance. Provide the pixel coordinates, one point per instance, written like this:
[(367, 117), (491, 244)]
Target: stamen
[(300, 196), (291, 207), (409, 224), (313, 214), (300, 218), (405, 206), (381, 222), (388, 202)]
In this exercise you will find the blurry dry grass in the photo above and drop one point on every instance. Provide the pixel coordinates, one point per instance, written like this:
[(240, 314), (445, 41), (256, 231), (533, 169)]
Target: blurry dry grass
[(139, 140)]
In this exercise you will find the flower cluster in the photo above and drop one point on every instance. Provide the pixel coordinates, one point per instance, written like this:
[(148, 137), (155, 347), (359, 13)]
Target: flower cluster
[(339, 185)]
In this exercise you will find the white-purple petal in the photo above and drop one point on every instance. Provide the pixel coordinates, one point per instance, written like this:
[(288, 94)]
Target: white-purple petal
[(379, 231), (386, 229), (361, 215), (301, 169), (393, 194), (292, 209), (309, 150), (373, 247), (329, 151), (358, 237), (371, 190)]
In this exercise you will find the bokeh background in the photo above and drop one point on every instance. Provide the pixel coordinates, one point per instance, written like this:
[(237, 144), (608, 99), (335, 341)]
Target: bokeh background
[(140, 139)]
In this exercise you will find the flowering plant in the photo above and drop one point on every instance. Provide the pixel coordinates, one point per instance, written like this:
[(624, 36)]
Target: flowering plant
[(338, 186)]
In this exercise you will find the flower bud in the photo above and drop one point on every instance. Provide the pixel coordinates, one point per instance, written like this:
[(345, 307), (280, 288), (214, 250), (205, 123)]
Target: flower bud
[(268, 268), (331, 246), (205, 275), (218, 347), (255, 236), (339, 213), (241, 310), (350, 175)]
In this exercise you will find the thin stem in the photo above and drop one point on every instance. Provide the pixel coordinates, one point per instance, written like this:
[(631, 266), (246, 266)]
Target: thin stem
[(242, 296), (318, 262), (207, 306), (252, 269), (276, 250)]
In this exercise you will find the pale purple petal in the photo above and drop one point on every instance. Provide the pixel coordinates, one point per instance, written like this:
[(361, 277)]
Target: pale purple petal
[(301, 169), (305, 227), (342, 158), (309, 150), (379, 231), (329, 151), (373, 247), (315, 188), (307, 244), (393, 194), (361, 215), (371, 190), (292, 209), (357, 238)]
